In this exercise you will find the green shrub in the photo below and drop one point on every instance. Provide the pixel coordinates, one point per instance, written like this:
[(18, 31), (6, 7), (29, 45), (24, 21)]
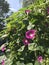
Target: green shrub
[(33, 51)]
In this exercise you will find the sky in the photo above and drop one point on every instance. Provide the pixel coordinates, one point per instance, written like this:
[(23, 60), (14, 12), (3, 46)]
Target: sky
[(14, 5)]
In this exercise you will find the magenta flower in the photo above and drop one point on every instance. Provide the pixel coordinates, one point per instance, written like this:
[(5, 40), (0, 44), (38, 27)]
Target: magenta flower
[(3, 62), (3, 48), (30, 34), (25, 41), (27, 11), (40, 59), (48, 10)]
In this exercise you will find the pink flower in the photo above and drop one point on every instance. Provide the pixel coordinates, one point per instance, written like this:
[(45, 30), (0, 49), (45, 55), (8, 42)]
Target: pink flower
[(40, 59), (3, 48), (27, 11), (3, 62), (30, 34), (48, 10), (25, 41)]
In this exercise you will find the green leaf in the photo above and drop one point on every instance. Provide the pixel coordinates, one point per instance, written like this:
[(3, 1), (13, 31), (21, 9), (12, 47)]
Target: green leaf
[(20, 63), (40, 48), (21, 49), (47, 51), (37, 63), (31, 46), (29, 64)]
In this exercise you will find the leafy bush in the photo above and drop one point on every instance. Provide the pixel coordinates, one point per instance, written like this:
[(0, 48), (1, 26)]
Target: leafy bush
[(28, 35)]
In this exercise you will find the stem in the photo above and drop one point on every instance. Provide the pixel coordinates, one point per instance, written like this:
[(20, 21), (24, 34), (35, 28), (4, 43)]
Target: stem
[(45, 62), (40, 63), (27, 16)]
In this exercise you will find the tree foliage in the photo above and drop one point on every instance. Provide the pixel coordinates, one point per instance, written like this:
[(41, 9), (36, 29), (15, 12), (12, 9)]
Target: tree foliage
[(4, 9)]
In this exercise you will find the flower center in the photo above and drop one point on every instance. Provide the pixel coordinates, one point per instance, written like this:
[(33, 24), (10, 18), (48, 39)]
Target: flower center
[(27, 13), (26, 41), (31, 35)]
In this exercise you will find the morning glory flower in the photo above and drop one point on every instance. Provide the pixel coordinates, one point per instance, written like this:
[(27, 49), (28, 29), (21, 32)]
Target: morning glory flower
[(40, 59), (3, 62), (48, 10), (27, 11), (30, 34), (3, 48), (25, 41)]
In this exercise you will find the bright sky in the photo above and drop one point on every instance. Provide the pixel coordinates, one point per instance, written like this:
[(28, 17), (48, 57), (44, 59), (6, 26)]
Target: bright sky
[(14, 5)]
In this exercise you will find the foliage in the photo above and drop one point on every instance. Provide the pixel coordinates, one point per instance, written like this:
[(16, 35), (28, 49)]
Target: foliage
[(25, 3), (4, 9), (18, 24)]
